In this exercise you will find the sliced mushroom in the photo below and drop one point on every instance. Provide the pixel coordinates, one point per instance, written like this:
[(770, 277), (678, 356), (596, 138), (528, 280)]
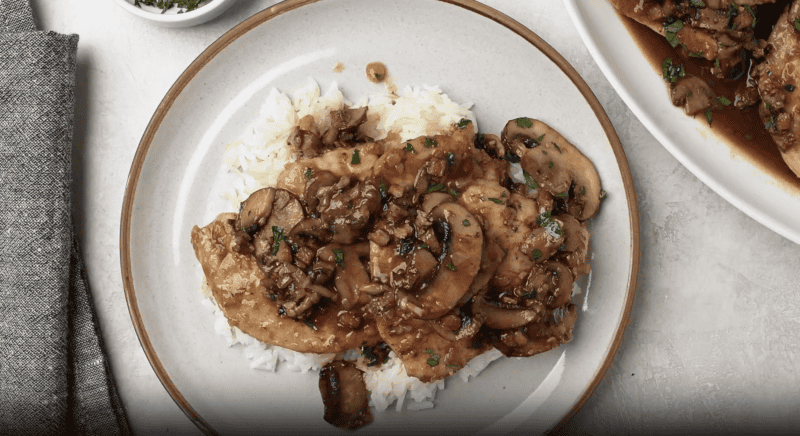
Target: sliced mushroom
[(459, 264), (255, 210), (504, 319), (345, 395), (561, 169)]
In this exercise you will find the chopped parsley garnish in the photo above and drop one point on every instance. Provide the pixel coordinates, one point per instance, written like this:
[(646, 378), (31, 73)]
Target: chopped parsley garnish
[(770, 124), (531, 294), (529, 182), (524, 122), (671, 32), (451, 160), (723, 101), (424, 246), (277, 237), (789, 88), (452, 365), (536, 254), (463, 123), (466, 223), (547, 222), (752, 13), (671, 71), (378, 76), (563, 194), (697, 3), (382, 190), (708, 116), (430, 142), (406, 246), (435, 187), (452, 192), (603, 194), (797, 24), (311, 324), (356, 158), (339, 256), (583, 190), (434, 359), (309, 173), (513, 158), (165, 5), (496, 200), (551, 164), (409, 147), (451, 267), (539, 139)]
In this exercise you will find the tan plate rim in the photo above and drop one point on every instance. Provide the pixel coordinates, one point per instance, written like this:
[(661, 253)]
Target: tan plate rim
[(290, 5)]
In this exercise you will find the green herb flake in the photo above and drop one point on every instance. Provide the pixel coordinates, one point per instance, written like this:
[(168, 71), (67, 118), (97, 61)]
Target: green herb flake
[(583, 190), (524, 122), (452, 365), (427, 351), (789, 88), (671, 32), (770, 124), (466, 223), (311, 324), (748, 137), (603, 194), (709, 116), (434, 360), (339, 256), (165, 5), (513, 158), (463, 123), (723, 101), (496, 200), (697, 3), (277, 237), (378, 76), (529, 295), (452, 267), (382, 189), (309, 173), (551, 164), (540, 138), (409, 148), (435, 187), (529, 182), (671, 71), (430, 142), (536, 254), (356, 158), (797, 24), (752, 14), (453, 192), (563, 194), (424, 246), (450, 158)]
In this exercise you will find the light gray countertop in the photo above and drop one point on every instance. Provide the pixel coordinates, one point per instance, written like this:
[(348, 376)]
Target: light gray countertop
[(713, 341)]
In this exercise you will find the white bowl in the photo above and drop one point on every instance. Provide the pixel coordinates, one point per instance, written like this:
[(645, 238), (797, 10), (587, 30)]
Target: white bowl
[(172, 18)]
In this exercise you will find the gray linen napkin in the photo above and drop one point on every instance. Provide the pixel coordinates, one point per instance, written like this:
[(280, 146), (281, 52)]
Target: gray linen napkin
[(54, 376)]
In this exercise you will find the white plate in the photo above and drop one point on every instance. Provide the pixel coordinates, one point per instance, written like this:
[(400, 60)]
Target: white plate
[(477, 55), (739, 180)]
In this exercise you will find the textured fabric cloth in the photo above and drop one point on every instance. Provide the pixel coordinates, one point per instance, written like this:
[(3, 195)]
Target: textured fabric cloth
[(54, 376)]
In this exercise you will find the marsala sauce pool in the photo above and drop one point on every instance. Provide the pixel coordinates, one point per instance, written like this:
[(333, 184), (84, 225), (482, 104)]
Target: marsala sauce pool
[(743, 130)]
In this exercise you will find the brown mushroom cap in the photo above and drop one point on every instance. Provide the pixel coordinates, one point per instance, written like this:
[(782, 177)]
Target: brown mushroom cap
[(557, 166), (459, 265)]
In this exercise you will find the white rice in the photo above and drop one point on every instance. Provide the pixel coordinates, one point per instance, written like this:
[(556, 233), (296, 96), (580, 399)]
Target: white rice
[(258, 158)]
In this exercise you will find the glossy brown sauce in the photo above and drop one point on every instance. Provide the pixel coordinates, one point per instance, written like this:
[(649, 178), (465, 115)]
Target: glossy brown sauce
[(742, 130), (376, 72)]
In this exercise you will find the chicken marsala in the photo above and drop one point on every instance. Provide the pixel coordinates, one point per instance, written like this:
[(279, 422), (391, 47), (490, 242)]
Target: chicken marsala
[(427, 246)]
